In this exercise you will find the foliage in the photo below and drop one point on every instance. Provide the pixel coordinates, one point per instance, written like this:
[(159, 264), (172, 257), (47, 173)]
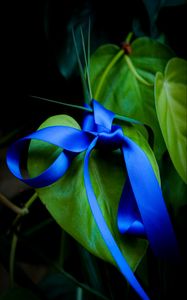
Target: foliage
[(67, 208), (143, 78), (170, 96)]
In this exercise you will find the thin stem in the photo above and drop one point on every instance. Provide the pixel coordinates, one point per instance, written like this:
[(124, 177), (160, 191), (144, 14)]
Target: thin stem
[(129, 37), (117, 116), (77, 54), (84, 50), (26, 206), (15, 240), (88, 55), (135, 73), (126, 119), (79, 63), (62, 103), (31, 200), (86, 64), (12, 258), (106, 71), (18, 210), (79, 294)]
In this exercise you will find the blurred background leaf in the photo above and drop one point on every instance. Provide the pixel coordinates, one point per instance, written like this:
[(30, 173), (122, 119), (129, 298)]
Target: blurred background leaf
[(153, 9)]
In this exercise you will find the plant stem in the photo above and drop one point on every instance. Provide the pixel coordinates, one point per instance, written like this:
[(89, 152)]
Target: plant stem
[(129, 37), (18, 210), (15, 239), (79, 294), (126, 119), (62, 103), (12, 258), (135, 73), (80, 66), (86, 64), (88, 54), (106, 71), (118, 117), (26, 206)]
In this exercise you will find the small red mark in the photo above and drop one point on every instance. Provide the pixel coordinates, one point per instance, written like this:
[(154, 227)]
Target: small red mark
[(127, 48)]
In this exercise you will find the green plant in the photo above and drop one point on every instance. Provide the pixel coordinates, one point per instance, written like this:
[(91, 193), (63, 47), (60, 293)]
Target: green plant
[(144, 81)]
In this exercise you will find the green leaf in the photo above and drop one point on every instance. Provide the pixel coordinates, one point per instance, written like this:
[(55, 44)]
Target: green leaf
[(18, 293), (171, 107), (124, 83), (67, 201)]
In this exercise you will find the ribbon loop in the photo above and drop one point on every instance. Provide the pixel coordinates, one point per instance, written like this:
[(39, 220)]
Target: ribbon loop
[(102, 116), (100, 123)]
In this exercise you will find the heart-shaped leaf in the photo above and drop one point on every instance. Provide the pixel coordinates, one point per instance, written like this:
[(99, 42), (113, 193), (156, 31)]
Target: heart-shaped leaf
[(66, 199), (124, 83), (171, 107)]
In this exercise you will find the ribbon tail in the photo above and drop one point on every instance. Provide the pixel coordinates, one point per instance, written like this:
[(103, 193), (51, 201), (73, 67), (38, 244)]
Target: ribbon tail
[(105, 231), (150, 201), (128, 218)]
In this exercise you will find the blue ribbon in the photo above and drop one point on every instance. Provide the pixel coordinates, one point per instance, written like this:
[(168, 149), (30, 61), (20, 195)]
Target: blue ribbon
[(142, 210)]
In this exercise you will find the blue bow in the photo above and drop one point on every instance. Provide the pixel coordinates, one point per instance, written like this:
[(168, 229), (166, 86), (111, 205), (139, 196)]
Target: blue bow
[(141, 209)]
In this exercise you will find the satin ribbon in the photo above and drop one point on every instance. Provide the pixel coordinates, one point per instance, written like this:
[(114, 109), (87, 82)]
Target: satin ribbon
[(142, 211)]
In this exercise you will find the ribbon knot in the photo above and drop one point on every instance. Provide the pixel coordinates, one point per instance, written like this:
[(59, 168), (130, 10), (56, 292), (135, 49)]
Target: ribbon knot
[(100, 124), (112, 140), (142, 210)]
